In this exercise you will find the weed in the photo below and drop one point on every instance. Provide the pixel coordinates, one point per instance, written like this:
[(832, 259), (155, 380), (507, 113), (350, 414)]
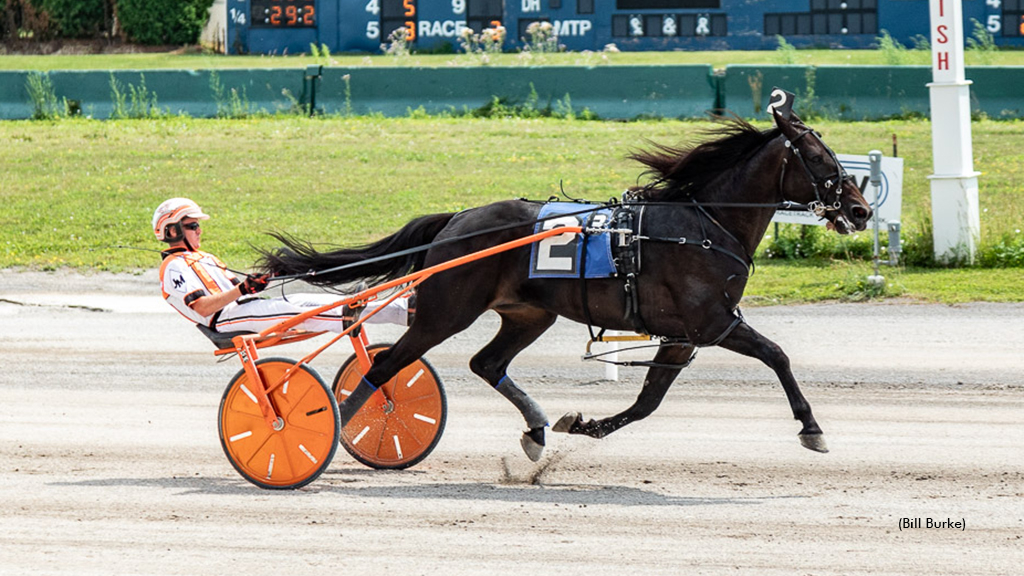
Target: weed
[(918, 244), (135, 102), (488, 41), (805, 243), (1007, 252), (541, 38), (808, 103), (397, 44), (893, 53), (321, 54), (347, 79), (294, 105), (786, 52), (858, 288), (233, 103), (982, 45), (504, 107), (45, 104)]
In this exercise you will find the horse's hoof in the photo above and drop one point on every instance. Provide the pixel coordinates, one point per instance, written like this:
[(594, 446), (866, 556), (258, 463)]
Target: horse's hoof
[(814, 442), (533, 443), (565, 423)]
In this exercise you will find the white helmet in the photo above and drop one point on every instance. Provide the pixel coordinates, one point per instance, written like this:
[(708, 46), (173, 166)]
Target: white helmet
[(169, 215)]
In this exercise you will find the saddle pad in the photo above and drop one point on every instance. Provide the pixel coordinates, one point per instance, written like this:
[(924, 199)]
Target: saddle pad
[(559, 256)]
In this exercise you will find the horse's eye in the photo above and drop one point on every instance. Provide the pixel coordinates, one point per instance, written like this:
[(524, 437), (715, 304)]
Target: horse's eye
[(817, 159)]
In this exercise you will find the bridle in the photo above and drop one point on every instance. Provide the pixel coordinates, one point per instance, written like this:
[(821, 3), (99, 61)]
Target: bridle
[(832, 184)]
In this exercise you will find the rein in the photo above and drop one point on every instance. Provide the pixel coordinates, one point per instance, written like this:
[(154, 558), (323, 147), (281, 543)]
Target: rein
[(784, 205)]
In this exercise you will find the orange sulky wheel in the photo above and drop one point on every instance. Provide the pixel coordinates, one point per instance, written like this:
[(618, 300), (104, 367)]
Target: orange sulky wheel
[(302, 449), (402, 422)]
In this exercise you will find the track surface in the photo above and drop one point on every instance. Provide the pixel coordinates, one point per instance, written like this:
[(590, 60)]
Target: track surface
[(110, 463)]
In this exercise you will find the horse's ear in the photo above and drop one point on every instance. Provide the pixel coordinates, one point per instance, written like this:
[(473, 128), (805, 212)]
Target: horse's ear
[(781, 120), (786, 124)]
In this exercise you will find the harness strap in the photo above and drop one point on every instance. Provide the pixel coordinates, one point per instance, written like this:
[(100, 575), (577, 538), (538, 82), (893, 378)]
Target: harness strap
[(725, 334), (624, 217), (706, 244), (633, 305), (646, 363), (583, 284), (727, 233)]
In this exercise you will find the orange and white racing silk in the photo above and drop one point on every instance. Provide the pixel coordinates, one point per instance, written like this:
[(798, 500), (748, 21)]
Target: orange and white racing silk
[(188, 275), (257, 315)]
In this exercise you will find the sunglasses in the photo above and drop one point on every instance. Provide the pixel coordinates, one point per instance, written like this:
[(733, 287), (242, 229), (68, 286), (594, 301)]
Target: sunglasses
[(193, 226)]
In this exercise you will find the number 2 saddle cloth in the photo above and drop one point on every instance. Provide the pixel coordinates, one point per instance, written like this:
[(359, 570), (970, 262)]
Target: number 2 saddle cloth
[(560, 256)]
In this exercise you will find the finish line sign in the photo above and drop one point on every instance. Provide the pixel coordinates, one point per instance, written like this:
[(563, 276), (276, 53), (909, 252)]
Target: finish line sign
[(890, 194)]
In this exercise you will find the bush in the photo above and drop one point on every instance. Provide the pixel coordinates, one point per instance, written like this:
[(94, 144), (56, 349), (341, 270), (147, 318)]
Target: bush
[(74, 18), (23, 21), (163, 21), (1007, 252)]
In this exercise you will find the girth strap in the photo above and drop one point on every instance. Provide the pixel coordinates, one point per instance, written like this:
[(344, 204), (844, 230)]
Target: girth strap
[(626, 252)]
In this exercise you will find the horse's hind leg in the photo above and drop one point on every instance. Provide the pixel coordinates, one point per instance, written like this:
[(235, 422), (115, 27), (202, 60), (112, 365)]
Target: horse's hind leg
[(433, 325), (656, 384), (519, 328), (749, 342)]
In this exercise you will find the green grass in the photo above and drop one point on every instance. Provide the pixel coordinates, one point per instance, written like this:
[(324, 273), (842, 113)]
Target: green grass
[(819, 280), (73, 188), (716, 59)]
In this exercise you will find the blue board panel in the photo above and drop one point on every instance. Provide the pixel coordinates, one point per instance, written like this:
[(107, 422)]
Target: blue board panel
[(277, 26)]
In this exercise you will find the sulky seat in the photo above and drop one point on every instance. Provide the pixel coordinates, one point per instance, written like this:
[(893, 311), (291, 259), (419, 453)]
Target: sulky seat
[(222, 340)]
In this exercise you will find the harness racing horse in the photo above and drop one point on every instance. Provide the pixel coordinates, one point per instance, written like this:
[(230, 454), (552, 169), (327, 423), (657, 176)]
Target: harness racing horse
[(723, 192)]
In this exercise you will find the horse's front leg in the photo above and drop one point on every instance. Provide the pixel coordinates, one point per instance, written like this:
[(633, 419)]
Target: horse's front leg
[(657, 383), (749, 342)]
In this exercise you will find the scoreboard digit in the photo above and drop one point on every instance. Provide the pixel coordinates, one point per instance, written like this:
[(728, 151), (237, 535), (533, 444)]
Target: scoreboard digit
[(283, 13), (395, 14)]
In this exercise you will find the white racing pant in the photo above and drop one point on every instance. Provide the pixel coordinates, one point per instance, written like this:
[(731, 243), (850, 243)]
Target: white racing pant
[(259, 314)]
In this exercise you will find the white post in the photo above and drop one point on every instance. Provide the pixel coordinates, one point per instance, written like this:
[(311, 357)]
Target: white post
[(956, 226), (611, 371)]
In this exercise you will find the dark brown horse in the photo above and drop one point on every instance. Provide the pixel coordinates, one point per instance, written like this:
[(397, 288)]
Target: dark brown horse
[(720, 194)]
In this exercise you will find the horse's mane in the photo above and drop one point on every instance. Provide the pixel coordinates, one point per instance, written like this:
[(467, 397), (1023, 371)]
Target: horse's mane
[(681, 172)]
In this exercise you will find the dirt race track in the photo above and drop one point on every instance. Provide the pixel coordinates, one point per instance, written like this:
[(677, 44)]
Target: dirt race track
[(110, 462)]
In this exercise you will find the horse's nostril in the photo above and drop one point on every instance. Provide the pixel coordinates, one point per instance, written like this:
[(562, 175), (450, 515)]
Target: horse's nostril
[(860, 212)]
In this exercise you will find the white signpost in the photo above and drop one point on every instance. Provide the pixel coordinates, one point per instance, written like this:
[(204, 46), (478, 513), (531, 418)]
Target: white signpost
[(956, 226)]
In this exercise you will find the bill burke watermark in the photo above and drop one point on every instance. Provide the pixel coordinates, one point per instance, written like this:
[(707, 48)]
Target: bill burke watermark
[(932, 523)]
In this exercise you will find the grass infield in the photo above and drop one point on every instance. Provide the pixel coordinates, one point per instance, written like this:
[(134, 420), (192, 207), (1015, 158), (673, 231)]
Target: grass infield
[(146, 61), (72, 189)]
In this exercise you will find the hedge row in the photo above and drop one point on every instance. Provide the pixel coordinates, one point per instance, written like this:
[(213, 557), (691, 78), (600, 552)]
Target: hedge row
[(152, 22)]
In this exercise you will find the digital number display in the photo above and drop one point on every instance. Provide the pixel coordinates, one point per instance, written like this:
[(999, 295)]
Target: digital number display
[(395, 14), (283, 13)]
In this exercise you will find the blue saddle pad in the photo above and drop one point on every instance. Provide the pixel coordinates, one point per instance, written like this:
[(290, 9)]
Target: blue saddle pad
[(559, 256)]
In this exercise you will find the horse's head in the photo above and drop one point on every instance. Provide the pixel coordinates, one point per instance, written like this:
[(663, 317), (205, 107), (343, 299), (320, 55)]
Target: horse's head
[(815, 177)]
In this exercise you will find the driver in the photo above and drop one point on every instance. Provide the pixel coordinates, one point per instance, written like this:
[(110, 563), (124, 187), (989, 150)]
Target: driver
[(202, 289)]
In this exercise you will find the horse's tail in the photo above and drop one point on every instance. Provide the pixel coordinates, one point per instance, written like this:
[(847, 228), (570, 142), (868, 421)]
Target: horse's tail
[(299, 257)]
